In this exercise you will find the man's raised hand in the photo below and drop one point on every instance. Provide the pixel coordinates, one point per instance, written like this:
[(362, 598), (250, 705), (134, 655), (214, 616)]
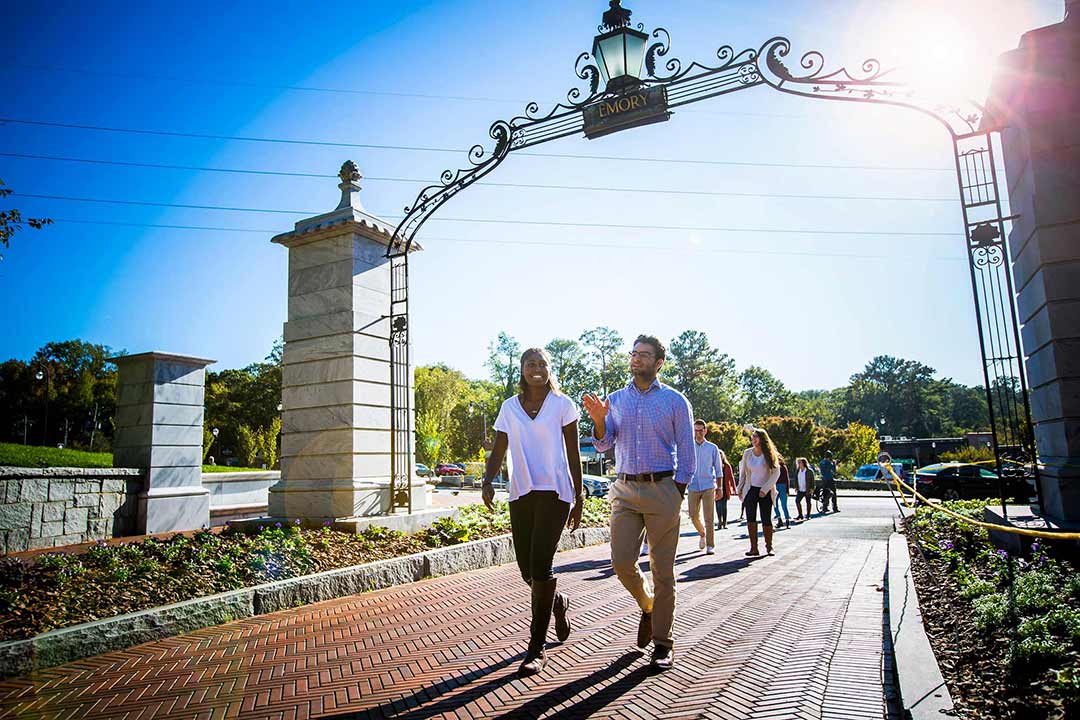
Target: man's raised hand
[(597, 408)]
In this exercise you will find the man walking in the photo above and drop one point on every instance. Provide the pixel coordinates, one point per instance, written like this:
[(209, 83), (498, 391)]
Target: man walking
[(650, 425), (828, 482), (708, 475)]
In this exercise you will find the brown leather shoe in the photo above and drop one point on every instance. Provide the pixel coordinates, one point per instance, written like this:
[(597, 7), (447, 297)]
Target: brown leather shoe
[(644, 630), (533, 663)]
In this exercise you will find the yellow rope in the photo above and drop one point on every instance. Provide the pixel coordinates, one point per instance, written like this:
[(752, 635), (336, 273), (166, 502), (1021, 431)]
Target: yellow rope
[(978, 523)]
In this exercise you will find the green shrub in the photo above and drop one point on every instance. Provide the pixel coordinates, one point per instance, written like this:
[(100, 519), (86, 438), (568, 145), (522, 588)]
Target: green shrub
[(991, 611), (446, 531)]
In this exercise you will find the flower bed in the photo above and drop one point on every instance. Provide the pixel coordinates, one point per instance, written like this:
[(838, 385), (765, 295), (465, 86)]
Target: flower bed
[(1005, 629), (61, 589)]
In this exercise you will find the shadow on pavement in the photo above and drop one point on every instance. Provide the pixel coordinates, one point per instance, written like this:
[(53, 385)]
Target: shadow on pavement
[(715, 570), (406, 707), (538, 706)]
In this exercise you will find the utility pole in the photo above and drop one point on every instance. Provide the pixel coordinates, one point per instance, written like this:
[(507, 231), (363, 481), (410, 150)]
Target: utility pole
[(93, 427)]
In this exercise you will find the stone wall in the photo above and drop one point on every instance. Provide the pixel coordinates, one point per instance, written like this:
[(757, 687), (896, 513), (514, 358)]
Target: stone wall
[(49, 507)]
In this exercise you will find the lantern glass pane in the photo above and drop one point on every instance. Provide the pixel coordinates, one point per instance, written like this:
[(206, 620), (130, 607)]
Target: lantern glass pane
[(601, 61), (635, 54), (614, 55)]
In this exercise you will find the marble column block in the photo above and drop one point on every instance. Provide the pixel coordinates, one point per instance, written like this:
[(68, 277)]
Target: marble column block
[(1036, 99), (159, 430), (335, 394)]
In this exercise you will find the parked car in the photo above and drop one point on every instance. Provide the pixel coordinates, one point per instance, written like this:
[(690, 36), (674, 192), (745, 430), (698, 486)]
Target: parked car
[(870, 471), (595, 485), (448, 469), (955, 481), (423, 470)]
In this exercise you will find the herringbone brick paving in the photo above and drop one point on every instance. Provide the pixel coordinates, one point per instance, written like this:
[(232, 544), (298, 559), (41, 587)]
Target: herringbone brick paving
[(794, 636)]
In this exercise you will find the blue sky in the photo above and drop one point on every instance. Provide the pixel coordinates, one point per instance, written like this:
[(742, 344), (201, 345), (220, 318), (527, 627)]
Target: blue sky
[(813, 308)]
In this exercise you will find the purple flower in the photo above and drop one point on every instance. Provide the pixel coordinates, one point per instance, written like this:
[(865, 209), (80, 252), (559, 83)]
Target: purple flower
[(296, 522), (1003, 554), (326, 523), (277, 525), (260, 528), (1036, 547), (945, 544)]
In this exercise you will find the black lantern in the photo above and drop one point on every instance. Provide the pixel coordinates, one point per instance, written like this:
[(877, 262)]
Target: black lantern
[(620, 51)]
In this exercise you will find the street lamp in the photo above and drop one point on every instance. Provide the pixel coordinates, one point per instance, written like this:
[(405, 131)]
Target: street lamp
[(47, 376), (620, 51)]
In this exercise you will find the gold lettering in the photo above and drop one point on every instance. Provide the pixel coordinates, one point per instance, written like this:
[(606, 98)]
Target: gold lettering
[(608, 109), (637, 101), (624, 104)]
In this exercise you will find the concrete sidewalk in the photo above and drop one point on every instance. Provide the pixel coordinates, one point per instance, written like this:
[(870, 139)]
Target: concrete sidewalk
[(798, 635)]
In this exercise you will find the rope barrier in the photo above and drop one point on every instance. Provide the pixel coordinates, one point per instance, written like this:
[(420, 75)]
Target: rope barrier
[(1045, 534)]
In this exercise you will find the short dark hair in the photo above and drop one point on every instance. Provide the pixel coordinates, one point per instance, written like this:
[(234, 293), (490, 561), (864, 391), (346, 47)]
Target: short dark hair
[(700, 422), (661, 351)]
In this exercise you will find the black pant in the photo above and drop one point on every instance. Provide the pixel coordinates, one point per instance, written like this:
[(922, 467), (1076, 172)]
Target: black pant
[(721, 511), (755, 501), (536, 523), (828, 490)]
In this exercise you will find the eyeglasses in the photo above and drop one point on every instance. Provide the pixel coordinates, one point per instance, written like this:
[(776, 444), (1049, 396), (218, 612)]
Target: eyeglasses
[(642, 355)]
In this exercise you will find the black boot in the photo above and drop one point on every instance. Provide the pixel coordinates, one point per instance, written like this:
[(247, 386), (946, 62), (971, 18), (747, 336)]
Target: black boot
[(543, 597), (559, 609)]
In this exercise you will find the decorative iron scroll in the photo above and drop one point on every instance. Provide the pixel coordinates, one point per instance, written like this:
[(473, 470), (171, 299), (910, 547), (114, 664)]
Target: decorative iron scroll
[(772, 65)]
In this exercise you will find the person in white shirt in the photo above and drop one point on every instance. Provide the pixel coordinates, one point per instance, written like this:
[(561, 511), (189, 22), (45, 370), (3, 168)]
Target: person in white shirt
[(759, 470), (708, 471), (804, 487), (539, 426)]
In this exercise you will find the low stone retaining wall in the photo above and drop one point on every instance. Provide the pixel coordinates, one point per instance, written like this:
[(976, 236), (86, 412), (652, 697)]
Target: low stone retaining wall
[(57, 647), (49, 507)]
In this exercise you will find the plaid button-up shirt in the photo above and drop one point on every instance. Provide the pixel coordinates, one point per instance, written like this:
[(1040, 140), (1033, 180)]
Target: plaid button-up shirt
[(651, 431)]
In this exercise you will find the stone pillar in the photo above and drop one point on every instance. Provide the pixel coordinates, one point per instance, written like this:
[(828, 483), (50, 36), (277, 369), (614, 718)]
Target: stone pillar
[(335, 389), (1036, 98), (159, 430)]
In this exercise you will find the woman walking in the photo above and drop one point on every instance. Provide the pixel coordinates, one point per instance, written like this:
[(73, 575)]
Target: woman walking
[(724, 491), (759, 470), (539, 425), (804, 487), (782, 495)]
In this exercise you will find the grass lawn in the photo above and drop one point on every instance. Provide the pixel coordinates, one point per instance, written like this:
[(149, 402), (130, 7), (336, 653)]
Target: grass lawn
[(35, 456)]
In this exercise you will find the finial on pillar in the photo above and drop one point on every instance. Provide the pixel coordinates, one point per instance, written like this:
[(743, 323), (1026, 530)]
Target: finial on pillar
[(350, 186)]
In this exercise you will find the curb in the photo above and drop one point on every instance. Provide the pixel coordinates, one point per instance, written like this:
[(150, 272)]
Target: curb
[(923, 691), (63, 645)]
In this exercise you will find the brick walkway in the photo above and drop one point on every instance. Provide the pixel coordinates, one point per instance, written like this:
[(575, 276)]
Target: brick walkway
[(794, 636)]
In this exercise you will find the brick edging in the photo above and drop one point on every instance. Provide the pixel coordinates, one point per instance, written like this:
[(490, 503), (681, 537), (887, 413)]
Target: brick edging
[(63, 645), (923, 691)]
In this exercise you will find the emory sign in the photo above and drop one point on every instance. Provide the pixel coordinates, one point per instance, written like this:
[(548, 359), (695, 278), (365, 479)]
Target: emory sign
[(639, 107)]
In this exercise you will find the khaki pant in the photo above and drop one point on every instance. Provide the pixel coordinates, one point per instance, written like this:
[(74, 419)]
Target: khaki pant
[(652, 509), (708, 499)]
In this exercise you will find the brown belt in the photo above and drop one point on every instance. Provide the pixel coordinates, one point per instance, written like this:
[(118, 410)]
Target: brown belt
[(648, 477)]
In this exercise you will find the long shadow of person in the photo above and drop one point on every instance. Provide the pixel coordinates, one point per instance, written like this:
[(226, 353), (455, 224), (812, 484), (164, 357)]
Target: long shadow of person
[(408, 704), (715, 570), (556, 696)]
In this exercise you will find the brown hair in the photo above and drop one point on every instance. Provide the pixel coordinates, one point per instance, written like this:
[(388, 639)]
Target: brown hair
[(803, 461), (553, 382), (701, 423), (772, 457)]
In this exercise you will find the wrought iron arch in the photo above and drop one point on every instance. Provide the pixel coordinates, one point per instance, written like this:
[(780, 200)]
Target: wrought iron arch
[(972, 132)]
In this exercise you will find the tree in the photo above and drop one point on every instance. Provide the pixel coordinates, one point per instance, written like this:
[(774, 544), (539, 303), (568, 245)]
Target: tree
[(793, 436), (11, 221), (607, 359), (902, 392), (438, 390), (821, 406), (471, 419), (504, 356), (248, 397), (763, 395), (730, 438), (570, 366), (703, 374), (861, 444)]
